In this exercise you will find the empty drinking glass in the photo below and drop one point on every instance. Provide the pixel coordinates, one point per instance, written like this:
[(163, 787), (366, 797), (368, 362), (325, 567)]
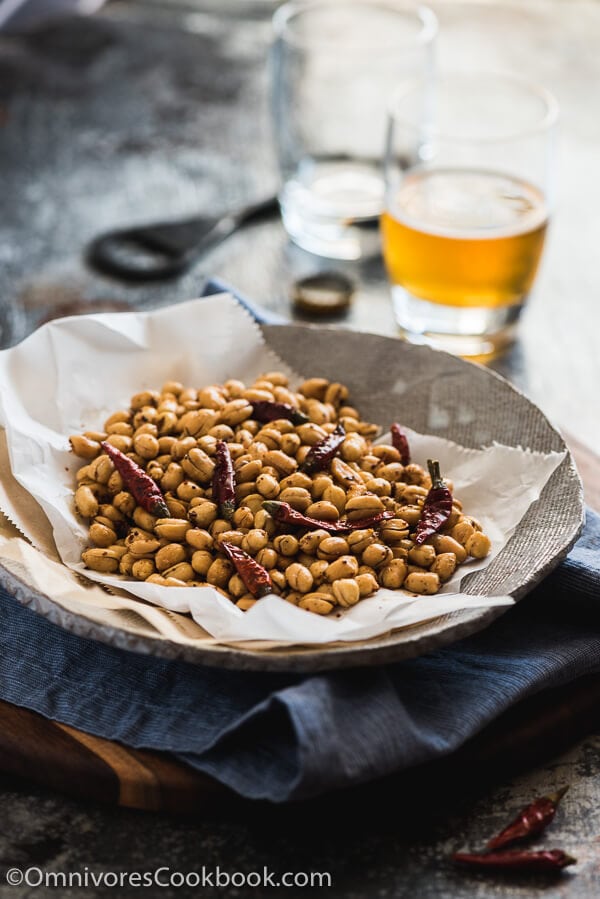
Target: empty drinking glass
[(334, 65)]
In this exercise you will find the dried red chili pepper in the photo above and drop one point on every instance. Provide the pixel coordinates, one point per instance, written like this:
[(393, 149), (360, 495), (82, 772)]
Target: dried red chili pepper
[(285, 513), (530, 821), (223, 484), (320, 455), (145, 491), (517, 859), (371, 521), (263, 411), (255, 577), (437, 507), (400, 442)]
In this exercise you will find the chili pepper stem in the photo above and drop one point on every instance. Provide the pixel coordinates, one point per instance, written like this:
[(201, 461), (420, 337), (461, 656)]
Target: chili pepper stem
[(434, 472), (556, 797), (227, 510)]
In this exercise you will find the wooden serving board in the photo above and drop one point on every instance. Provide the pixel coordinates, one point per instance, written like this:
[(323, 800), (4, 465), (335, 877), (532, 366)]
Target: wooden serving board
[(88, 767)]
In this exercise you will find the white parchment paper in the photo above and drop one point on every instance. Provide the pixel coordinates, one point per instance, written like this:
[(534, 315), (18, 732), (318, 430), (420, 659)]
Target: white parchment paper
[(72, 373)]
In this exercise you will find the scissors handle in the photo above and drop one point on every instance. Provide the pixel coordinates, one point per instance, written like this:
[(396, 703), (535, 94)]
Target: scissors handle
[(164, 250)]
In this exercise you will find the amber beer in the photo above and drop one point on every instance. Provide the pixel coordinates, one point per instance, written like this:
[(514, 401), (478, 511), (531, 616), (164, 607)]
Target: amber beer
[(464, 238)]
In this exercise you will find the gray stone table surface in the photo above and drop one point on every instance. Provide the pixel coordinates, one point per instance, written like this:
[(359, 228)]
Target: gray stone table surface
[(158, 109)]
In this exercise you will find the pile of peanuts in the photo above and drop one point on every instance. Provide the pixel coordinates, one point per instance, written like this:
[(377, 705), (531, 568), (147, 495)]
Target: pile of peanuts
[(172, 435)]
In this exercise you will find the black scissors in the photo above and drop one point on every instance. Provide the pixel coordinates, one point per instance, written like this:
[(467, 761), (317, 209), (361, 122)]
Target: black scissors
[(164, 250)]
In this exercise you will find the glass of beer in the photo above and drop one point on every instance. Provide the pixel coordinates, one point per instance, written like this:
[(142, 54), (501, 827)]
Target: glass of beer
[(468, 168)]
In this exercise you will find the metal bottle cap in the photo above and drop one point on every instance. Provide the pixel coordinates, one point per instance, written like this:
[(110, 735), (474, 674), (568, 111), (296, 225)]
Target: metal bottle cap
[(323, 293)]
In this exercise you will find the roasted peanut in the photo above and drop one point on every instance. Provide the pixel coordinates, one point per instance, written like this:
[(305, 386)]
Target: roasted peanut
[(255, 540), (265, 522), (236, 538), (343, 474), (336, 496), (310, 541), (183, 571), (320, 484), (246, 602), (198, 539), (169, 555), (426, 582), (177, 508), (286, 545), (443, 543), (222, 526), (331, 548), (267, 557), (248, 471), (85, 449), (336, 394), (284, 464), (86, 502), (462, 531), (360, 539), (314, 387), (444, 566), (299, 578), (201, 561), (198, 465), (146, 446), (323, 510), (142, 568), (101, 534), (363, 506), (126, 563), (211, 398), (234, 412), (202, 516), (243, 518), (120, 442), (267, 486), (346, 592), (478, 545), (141, 543), (144, 519), (410, 514), (343, 567), (181, 447), (377, 554), (393, 531), (379, 486), (219, 572), (421, 555), (367, 584), (353, 448), (297, 497), (172, 529), (319, 603), (104, 560), (236, 587), (278, 579), (393, 574)]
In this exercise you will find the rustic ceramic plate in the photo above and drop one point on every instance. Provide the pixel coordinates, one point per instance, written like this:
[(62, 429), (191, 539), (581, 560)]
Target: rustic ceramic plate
[(431, 392)]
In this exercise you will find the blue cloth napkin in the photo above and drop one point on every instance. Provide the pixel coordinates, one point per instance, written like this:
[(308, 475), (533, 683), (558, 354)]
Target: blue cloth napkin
[(280, 737)]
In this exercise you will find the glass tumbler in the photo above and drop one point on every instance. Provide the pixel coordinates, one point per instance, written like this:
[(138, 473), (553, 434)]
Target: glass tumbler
[(468, 193), (334, 64)]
